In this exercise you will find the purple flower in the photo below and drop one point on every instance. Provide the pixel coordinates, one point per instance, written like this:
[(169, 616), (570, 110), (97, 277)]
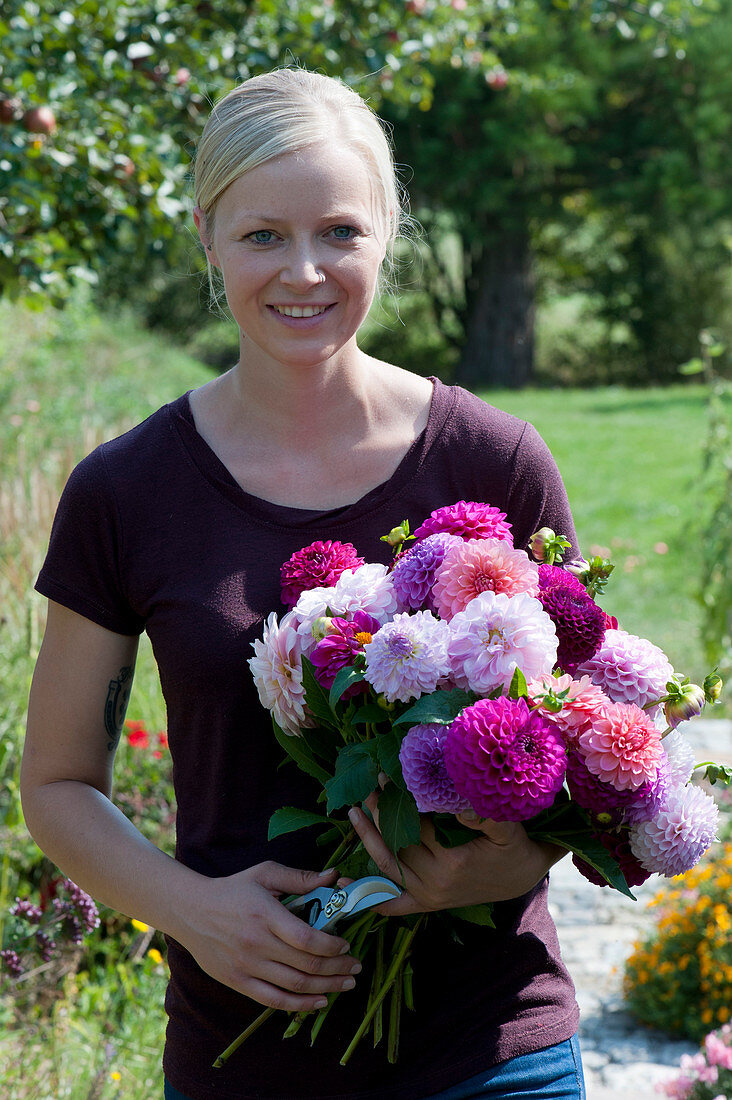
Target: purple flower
[(414, 573), (628, 669), (408, 656), (579, 622), (27, 911), (340, 647), (316, 566), (423, 766), (508, 761), (11, 962), (677, 837), (592, 793), (469, 519)]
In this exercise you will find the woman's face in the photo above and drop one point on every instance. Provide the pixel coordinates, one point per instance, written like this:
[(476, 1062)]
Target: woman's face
[(299, 252)]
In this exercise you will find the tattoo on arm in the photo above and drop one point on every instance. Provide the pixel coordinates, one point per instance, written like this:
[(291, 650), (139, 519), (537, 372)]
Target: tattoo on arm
[(115, 708)]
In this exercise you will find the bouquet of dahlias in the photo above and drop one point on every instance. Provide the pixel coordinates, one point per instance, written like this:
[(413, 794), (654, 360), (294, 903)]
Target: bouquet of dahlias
[(473, 676)]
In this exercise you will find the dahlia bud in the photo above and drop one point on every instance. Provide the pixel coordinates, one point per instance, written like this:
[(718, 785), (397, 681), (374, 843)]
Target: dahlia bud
[(321, 627), (594, 573), (398, 536), (547, 547), (577, 568), (683, 701), (712, 687)]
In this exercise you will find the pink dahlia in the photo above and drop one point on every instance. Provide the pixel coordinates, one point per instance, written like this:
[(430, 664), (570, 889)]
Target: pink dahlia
[(408, 656), (469, 519), (619, 848), (316, 566), (277, 673), (483, 565), (628, 669), (414, 572), (508, 761), (423, 766), (581, 701), (495, 635), (676, 839), (340, 647), (579, 621), (622, 747)]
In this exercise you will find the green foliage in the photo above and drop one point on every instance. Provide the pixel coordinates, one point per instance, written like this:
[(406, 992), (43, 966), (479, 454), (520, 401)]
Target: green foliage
[(679, 979)]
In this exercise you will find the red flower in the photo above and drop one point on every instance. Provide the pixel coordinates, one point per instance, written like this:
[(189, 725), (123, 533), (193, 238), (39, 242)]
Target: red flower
[(137, 735)]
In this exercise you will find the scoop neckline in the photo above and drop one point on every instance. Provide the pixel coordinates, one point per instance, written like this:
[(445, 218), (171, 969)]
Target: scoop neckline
[(220, 477)]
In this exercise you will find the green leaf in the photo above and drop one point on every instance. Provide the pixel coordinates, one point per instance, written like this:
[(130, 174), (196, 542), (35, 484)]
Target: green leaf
[(450, 832), (356, 776), (316, 696), (592, 851), (370, 712), (518, 688), (388, 746), (344, 679), (476, 914), (299, 751), (441, 707), (289, 819), (399, 822), (718, 773)]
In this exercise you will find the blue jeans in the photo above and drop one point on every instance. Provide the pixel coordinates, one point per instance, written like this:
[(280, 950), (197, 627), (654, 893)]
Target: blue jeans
[(551, 1074)]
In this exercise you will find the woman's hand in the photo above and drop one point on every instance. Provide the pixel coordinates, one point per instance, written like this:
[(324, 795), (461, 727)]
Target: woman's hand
[(242, 935), (501, 863)]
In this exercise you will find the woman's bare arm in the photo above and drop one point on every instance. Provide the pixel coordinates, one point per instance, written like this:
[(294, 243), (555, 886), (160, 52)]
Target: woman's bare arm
[(234, 926)]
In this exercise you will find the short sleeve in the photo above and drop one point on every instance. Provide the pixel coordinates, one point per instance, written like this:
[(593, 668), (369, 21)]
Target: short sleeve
[(84, 566), (536, 493)]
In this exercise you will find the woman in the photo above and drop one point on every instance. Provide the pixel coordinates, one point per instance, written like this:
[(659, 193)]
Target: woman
[(179, 528)]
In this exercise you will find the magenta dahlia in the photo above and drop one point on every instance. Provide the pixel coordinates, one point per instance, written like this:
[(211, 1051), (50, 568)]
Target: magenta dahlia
[(622, 747), (469, 519), (423, 767), (481, 565), (679, 835), (318, 565), (414, 572), (506, 760), (340, 647), (580, 623)]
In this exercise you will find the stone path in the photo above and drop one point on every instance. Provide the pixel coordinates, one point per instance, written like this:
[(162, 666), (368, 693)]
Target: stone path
[(597, 929)]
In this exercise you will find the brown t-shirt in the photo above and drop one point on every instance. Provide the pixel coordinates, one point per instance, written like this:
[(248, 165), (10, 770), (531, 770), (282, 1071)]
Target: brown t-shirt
[(153, 533)]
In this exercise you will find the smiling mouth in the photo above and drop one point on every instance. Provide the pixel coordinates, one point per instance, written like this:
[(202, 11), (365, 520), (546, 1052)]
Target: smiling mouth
[(300, 311)]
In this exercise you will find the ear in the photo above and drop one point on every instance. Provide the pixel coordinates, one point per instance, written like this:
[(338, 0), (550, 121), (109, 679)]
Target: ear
[(201, 221)]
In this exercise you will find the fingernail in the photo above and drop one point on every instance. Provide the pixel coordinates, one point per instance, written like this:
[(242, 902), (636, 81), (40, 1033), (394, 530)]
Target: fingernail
[(345, 950), (354, 815), (321, 1003), (356, 969), (348, 983)]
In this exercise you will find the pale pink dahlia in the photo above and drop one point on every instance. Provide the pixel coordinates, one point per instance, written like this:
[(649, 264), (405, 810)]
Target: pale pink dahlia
[(277, 673), (622, 746), (423, 767), (581, 701), (483, 565), (628, 669), (367, 589), (316, 566), (676, 839), (469, 519), (580, 623), (414, 572), (408, 656), (496, 634), (507, 761)]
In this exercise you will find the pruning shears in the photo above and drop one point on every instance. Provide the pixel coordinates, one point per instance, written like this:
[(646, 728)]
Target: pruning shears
[(326, 906)]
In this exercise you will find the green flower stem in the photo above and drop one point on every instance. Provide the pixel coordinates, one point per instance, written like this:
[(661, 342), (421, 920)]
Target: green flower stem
[(406, 938), (395, 1014), (341, 849), (233, 1047), (376, 983)]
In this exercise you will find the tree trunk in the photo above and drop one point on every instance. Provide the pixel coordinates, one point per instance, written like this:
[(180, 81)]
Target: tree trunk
[(499, 339)]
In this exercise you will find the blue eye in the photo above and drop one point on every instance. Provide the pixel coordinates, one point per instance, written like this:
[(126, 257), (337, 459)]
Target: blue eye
[(262, 236), (344, 232)]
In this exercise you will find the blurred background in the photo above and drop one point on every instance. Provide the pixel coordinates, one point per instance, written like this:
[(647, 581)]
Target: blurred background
[(568, 163)]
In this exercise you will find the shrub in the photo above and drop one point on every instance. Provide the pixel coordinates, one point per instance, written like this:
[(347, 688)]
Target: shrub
[(706, 1075), (680, 978)]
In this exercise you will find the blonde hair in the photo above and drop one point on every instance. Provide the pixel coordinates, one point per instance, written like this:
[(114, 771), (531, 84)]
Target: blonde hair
[(283, 112)]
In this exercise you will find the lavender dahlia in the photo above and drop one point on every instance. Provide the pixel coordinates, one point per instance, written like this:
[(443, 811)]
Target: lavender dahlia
[(423, 766), (508, 761), (408, 656), (414, 573), (679, 835), (629, 669)]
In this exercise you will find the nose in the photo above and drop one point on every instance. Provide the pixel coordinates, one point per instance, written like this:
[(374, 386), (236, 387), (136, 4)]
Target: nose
[(301, 270)]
